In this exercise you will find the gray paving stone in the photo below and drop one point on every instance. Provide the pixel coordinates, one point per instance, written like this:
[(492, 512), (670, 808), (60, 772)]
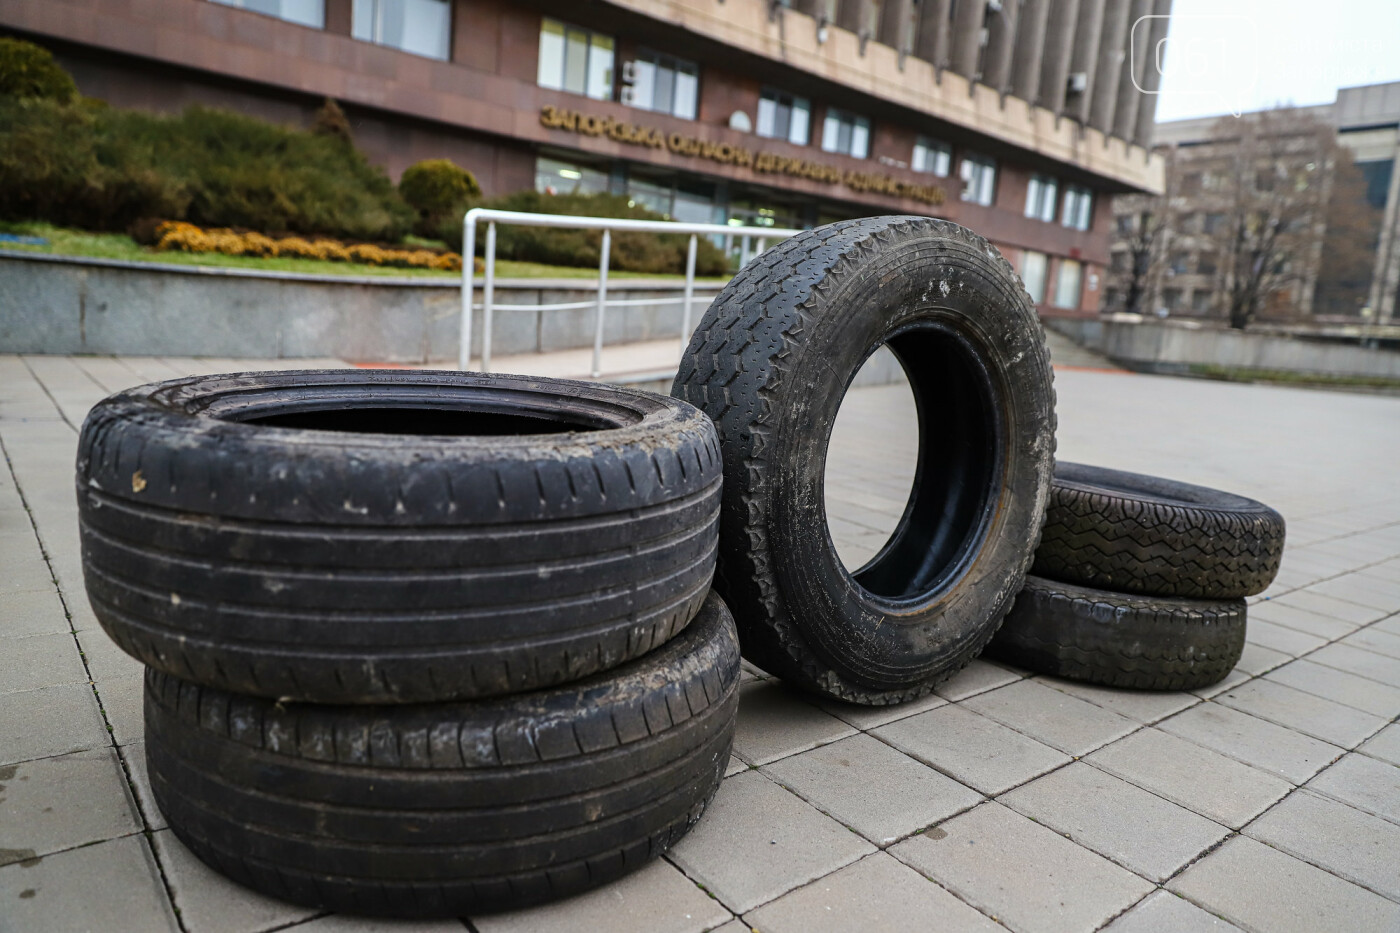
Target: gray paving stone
[(775, 721), (50, 721), (34, 612), (655, 899), (1250, 739), (1384, 745), (1347, 842), (1143, 706), (978, 677), (27, 575), (1377, 640), (105, 661), (1118, 820), (1194, 777), (1256, 659), (134, 758), (1028, 877), (877, 894), (736, 764), (1348, 689), (1366, 591), (112, 887), (906, 796), (39, 661), (1261, 888), (209, 902), (971, 748), (1279, 638), (1231, 679), (51, 804), (1072, 725), (1291, 617), (1295, 709), (1164, 912), (1331, 606), (1364, 782), (733, 926), (340, 923), (868, 717), (122, 703), (758, 841), (1359, 661)]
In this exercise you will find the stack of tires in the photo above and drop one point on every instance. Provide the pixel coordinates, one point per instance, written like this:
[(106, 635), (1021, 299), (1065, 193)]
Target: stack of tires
[(417, 643), (1140, 581)]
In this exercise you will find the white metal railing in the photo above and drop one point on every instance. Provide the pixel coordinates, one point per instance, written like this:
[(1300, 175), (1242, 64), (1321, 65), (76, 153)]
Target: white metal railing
[(748, 236)]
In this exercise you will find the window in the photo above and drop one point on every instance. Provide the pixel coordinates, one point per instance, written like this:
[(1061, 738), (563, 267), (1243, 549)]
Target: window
[(1200, 302), (782, 116), (305, 12), (1191, 183), (1040, 197), (1125, 224), (1033, 266), (1206, 264), (979, 177), (1067, 285), (423, 27), (662, 83), (1079, 207), (555, 177), (1213, 224), (575, 60), (1171, 299), (1118, 262), (846, 133), (932, 156), (1177, 263)]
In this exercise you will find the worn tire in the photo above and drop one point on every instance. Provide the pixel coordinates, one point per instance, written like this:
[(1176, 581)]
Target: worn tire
[(448, 808), (396, 562), (1143, 534), (1151, 643), (771, 362)]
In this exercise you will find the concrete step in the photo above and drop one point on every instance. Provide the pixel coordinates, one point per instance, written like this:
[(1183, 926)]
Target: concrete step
[(1065, 353)]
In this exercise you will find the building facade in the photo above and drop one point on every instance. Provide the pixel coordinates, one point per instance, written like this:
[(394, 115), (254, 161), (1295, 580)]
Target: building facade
[(1347, 267), (1017, 118)]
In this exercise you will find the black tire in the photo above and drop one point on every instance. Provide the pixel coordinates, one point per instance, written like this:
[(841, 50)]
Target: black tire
[(1143, 534), (1151, 643), (237, 535), (771, 362), (444, 809)]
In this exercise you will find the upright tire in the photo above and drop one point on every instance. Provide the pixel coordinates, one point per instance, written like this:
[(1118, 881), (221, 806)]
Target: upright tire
[(770, 363), (439, 810), (355, 536), (1119, 640), (1131, 533)]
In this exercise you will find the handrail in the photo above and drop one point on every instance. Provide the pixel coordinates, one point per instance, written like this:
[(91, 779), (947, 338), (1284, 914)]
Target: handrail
[(492, 216)]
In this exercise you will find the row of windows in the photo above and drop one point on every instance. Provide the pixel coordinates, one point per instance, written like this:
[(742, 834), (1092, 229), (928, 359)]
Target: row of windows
[(422, 27), (1042, 197), (1035, 273)]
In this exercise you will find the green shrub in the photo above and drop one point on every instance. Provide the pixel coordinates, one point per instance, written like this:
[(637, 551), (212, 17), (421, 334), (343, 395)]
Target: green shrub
[(631, 252), (439, 191), (28, 72)]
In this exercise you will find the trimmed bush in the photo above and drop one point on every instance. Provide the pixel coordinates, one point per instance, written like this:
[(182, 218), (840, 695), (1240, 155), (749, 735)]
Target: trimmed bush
[(28, 72), (439, 191), (631, 252)]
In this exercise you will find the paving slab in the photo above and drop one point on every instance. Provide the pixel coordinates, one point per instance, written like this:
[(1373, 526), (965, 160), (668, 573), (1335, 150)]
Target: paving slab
[(1165, 912), (759, 841), (104, 660), (1384, 745), (36, 612), (112, 887), (1364, 782), (1074, 726), (1271, 748), (1195, 777), (1028, 877), (339, 923), (51, 804), (1328, 606), (1359, 661), (776, 721), (122, 704), (1286, 706), (1352, 690), (1137, 829), (972, 749), (870, 787), (133, 758), (1372, 592), (1256, 659), (1359, 847), (1280, 638), (50, 721), (210, 903), (39, 661), (1261, 888), (1373, 639), (978, 677), (1143, 706), (868, 717), (875, 895)]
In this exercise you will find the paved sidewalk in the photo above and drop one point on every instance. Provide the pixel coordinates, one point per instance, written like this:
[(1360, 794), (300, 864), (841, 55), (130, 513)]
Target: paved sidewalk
[(1270, 802)]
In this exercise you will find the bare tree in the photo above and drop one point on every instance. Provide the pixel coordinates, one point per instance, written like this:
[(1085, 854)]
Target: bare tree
[(1144, 224)]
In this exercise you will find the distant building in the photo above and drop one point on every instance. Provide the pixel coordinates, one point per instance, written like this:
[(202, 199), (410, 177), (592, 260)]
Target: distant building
[(1017, 118), (1351, 274)]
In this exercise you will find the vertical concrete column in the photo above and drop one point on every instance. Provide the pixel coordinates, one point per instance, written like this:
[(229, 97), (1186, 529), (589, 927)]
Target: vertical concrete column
[(1113, 52), (1001, 46), (1135, 63), (1088, 32), (896, 25), (968, 17), (850, 15), (1151, 78), (338, 16), (1059, 42), (1030, 49), (932, 42), (1385, 275)]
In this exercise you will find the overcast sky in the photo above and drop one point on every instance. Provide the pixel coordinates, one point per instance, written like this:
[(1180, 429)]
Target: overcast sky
[(1225, 55)]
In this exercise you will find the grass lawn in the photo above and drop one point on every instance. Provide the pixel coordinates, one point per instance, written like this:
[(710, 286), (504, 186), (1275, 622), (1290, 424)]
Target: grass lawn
[(63, 241)]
